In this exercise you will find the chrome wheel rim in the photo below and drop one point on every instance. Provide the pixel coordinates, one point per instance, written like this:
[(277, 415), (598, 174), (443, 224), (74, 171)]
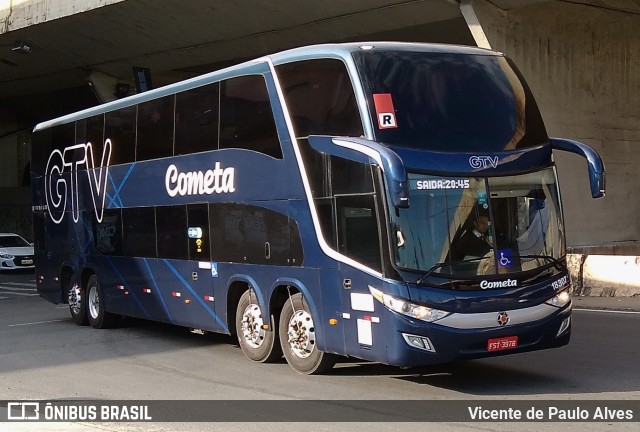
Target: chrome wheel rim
[(75, 299), (251, 325), (94, 302), (301, 334)]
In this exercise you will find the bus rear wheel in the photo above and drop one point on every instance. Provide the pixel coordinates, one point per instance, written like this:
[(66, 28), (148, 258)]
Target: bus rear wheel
[(256, 343), (298, 339), (76, 300), (98, 316)]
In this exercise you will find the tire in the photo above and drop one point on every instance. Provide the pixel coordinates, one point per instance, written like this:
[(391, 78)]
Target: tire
[(98, 317), (76, 300), (297, 337), (256, 343)]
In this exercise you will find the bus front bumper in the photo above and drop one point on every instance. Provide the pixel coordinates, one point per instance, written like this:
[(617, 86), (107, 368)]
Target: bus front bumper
[(415, 343)]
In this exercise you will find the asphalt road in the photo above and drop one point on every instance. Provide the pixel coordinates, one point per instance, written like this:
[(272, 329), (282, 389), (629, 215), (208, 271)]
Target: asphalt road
[(45, 356)]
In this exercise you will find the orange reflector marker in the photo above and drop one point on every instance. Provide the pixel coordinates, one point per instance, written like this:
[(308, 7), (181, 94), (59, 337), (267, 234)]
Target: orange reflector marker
[(333, 321), (126, 293), (265, 326), (187, 301)]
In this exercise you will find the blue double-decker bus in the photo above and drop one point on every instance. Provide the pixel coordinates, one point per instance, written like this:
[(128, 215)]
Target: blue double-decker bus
[(392, 202)]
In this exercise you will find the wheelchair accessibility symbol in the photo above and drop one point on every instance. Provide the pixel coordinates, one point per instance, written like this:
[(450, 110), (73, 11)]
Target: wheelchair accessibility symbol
[(505, 258)]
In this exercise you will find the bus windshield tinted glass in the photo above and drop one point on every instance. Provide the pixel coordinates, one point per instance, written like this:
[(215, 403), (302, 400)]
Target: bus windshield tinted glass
[(464, 227), (449, 101)]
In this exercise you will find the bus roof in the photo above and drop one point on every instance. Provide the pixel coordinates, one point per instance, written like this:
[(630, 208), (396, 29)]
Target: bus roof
[(343, 50)]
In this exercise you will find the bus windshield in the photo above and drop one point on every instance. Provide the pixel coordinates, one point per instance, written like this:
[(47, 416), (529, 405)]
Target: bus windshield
[(466, 228), (449, 102)]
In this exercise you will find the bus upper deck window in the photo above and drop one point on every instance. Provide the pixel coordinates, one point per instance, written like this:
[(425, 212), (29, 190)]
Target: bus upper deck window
[(246, 118), (334, 110)]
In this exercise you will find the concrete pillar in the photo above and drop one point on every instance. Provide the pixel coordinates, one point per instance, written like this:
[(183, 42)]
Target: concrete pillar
[(582, 63)]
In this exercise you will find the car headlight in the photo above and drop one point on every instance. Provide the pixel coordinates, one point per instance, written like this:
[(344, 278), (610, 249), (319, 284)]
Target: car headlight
[(560, 299), (6, 256), (407, 308)]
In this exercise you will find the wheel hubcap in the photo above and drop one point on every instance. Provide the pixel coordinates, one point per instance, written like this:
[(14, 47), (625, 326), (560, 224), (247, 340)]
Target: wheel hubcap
[(252, 323), (302, 334), (75, 299), (94, 302)]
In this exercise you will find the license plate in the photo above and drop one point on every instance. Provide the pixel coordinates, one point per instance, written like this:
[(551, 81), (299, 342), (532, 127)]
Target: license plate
[(504, 343), (27, 261)]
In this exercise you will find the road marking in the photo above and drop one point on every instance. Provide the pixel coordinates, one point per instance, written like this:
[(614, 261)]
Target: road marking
[(609, 311), (36, 322), (16, 288), (20, 293)]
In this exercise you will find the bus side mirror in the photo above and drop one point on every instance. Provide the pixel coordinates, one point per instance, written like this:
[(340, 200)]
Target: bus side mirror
[(594, 162)]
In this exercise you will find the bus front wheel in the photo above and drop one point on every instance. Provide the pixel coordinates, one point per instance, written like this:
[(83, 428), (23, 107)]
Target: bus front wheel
[(255, 341), (98, 316), (298, 339)]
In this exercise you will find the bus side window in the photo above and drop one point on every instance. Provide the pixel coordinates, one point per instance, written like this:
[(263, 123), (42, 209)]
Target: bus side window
[(320, 98), (139, 232), (358, 229), (197, 116), (246, 118), (120, 128), (198, 220), (107, 235), (91, 130), (155, 129), (171, 225)]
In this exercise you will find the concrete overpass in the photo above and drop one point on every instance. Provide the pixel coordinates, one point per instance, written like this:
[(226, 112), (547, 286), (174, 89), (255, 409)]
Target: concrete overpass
[(580, 57)]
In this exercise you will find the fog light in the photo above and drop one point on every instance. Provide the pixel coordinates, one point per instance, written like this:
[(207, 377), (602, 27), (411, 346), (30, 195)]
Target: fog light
[(564, 326), (419, 342)]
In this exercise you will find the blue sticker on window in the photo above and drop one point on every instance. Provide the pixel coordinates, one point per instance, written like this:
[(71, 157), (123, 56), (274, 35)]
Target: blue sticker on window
[(505, 258)]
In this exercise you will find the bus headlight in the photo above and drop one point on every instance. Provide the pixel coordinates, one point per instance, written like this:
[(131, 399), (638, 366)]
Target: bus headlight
[(560, 300), (407, 308), (6, 256)]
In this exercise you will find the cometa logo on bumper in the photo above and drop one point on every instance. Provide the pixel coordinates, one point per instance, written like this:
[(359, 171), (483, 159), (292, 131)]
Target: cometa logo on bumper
[(499, 284), (217, 181)]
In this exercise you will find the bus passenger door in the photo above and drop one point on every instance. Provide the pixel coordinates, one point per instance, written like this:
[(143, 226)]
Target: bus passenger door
[(358, 239)]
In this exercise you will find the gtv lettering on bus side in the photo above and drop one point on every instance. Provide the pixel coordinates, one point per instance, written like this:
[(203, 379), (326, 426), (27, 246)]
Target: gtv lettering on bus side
[(70, 159)]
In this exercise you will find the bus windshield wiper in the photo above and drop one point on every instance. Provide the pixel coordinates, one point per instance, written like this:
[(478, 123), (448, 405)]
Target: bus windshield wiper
[(444, 264)]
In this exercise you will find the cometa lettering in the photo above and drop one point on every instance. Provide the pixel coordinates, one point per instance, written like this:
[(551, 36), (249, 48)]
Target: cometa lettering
[(217, 181), (498, 284)]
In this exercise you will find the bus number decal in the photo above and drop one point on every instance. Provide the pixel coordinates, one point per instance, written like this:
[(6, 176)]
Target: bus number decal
[(217, 181)]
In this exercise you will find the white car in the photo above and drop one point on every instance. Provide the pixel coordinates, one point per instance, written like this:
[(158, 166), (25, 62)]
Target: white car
[(15, 252)]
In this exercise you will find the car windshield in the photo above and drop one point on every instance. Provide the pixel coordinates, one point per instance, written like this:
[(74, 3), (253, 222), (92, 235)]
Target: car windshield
[(449, 101), (468, 228), (13, 241)]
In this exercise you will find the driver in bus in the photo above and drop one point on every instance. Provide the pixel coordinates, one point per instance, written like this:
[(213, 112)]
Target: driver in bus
[(473, 242)]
